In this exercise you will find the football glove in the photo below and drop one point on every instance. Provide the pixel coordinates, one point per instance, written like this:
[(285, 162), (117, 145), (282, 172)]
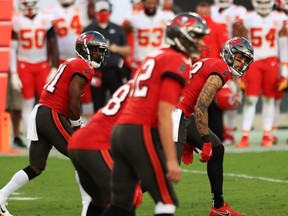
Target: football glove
[(282, 83), (16, 82), (187, 155), (206, 152), (138, 196), (242, 84)]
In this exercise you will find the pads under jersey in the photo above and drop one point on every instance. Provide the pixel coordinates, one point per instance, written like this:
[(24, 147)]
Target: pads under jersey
[(98, 131), (142, 106), (200, 72), (149, 32), (69, 23), (228, 16), (263, 33), (55, 93), (32, 36)]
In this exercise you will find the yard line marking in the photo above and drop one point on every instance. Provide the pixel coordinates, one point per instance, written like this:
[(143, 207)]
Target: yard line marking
[(239, 176), (24, 198)]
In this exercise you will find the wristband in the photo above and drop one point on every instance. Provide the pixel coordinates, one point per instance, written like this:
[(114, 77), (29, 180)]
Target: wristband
[(76, 123), (206, 138)]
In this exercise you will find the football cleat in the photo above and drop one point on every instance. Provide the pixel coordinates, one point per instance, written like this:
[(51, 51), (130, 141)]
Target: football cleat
[(4, 211), (243, 143), (224, 210), (266, 141)]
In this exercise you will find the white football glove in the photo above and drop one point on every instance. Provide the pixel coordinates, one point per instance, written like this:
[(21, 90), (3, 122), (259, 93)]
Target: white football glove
[(52, 73), (16, 82)]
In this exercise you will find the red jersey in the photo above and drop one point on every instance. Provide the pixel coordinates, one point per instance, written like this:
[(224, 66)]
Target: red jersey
[(97, 132), (55, 93), (142, 106), (200, 72)]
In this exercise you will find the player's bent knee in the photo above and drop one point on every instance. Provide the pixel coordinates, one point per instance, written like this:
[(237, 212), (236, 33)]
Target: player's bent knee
[(162, 208), (218, 151)]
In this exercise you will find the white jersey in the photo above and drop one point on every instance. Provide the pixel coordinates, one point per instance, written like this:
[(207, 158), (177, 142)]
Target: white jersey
[(32, 36), (69, 23), (228, 16), (149, 32), (263, 33)]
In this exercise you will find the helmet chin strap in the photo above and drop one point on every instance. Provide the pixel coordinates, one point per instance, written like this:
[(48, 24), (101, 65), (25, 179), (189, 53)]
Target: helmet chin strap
[(95, 64)]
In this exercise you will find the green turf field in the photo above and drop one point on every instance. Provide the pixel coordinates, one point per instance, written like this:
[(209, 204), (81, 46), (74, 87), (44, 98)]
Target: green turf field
[(255, 183)]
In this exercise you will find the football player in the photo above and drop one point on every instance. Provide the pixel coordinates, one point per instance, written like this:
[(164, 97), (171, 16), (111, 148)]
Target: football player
[(226, 12), (90, 151), (141, 141), (57, 115), (267, 32), (34, 44), (69, 19), (191, 116), (148, 27), (282, 7)]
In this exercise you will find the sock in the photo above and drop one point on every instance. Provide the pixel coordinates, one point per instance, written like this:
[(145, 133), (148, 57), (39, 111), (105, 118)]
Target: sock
[(249, 112), (276, 117), (86, 199), (19, 179), (231, 119), (215, 174), (164, 209), (217, 200), (268, 113)]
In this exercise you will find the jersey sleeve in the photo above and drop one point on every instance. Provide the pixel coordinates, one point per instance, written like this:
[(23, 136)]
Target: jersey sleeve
[(82, 69), (177, 69)]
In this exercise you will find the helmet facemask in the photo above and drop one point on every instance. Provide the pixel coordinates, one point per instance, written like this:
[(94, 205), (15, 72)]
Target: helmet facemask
[(263, 7), (29, 7), (223, 3), (66, 3)]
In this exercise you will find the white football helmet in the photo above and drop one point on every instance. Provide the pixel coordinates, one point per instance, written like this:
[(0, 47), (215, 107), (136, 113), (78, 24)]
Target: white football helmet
[(263, 7), (29, 7), (66, 3), (223, 3)]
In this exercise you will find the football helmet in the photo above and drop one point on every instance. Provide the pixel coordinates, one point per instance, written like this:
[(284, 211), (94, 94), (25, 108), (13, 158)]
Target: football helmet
[(223, 3), (184, 32), (93, 47), (66, 3), (263, 7), (228, 98), (29, 7), (237, 45), (282, 4)]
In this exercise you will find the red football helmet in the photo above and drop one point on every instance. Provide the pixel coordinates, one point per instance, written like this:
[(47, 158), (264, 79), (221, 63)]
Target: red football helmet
[(228, 98)]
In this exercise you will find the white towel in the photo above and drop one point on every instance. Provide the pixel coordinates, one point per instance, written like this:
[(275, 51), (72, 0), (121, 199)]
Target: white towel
[(32, 129), (176, 117)]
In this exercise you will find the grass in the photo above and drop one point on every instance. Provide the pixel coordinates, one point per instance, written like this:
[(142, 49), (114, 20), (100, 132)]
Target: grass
[(255, 183)]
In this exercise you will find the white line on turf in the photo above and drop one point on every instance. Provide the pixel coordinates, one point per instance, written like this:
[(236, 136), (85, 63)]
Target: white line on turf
[(240, 176)]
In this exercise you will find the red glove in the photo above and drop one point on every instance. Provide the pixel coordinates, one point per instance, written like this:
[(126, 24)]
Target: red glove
[(206, 152), (187, 155), (138, 196)]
